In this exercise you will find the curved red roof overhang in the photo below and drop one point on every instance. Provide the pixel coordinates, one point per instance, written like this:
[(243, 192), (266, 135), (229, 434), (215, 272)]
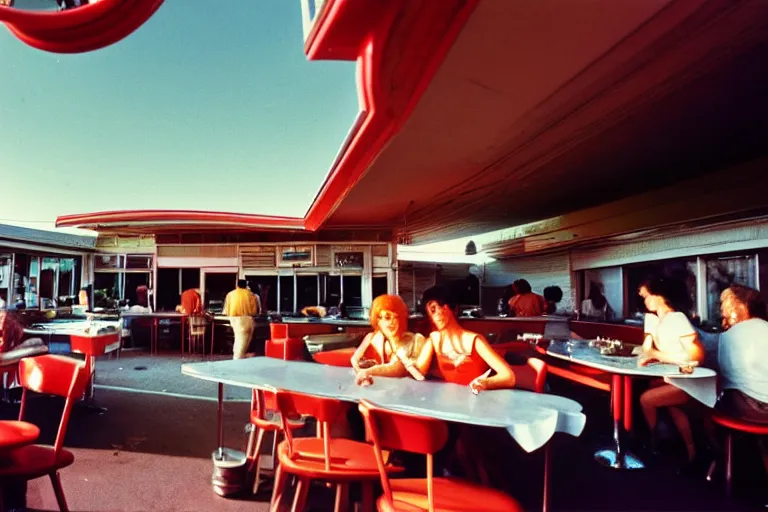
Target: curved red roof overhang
[(388, 91)]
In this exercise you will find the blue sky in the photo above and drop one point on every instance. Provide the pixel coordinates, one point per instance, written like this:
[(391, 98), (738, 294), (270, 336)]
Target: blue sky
[(208, 106)]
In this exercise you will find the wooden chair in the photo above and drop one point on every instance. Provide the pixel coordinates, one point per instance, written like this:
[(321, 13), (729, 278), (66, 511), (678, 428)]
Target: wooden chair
[(54, 375)]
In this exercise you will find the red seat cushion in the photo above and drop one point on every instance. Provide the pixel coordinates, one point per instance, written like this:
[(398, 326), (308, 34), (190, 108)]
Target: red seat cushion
[(741, 425), (451, 494), (34, 461), (14, 434), (350, 460)]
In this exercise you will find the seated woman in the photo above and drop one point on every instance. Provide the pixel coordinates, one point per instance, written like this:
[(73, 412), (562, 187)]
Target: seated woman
[(463, 357), (669, 338), (741, 355), (390, 351), (526, 303)]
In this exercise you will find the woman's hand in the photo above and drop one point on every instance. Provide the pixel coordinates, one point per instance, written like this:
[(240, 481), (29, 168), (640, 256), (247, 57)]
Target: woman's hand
[(647, 357), (478, 385), (363, 378)]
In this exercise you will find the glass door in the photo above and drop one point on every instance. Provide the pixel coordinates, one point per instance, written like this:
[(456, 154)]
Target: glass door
[(216, 284)]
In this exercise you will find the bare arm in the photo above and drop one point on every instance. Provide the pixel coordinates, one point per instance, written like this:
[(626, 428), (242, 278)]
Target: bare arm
[(505, 377), (360, 352), (694, 352), (424, 359)]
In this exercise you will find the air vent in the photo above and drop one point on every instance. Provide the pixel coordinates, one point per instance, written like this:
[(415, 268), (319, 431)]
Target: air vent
[(258, 257), (380, 250), (323, 255), (197, 251)]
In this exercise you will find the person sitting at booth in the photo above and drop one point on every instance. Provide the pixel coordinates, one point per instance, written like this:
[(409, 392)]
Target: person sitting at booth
[(526, 303), (741, 355), (390, 350), (669, 338), (463, 357)]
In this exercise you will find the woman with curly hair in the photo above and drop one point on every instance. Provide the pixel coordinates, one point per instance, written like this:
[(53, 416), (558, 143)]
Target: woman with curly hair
[(390, 350)]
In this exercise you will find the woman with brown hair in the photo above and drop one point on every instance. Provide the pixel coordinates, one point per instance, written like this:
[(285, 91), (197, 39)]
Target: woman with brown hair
[(390, 350), (669, 338)]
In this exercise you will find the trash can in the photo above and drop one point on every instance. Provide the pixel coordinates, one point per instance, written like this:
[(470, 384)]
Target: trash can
[(230, 472)]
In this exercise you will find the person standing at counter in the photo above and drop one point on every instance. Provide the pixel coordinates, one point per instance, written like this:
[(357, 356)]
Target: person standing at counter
[(669, 338), (241, 306), (192, 306), (390, 351)]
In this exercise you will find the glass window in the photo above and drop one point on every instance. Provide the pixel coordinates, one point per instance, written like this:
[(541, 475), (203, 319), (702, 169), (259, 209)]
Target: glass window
[(107, 290), (133, 281), (681, 270), (332, 289), (138, 262), (348, 260), (6, 260), (286, 294), (107, 261), (217, 286), (32, 296), (306, 289), (379, 285), (68, 281), (724, 271), (48, 282), (266, 288), (353, 291)]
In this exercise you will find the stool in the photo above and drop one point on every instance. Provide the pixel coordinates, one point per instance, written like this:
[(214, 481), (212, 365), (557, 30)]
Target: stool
[(730, 425)]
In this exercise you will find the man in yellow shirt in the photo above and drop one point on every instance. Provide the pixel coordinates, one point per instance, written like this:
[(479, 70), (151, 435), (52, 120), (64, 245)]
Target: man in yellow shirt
[(241, 306)]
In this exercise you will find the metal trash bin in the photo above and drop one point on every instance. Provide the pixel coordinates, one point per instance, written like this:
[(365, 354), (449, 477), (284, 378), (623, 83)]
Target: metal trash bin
[(325, 342), (230, 472)]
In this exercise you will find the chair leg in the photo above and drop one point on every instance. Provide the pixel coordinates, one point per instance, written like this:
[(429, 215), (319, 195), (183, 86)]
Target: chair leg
[(368, 501), (249, 448), (257, 461), (300, 498), (728, 463), (59, 491), (342, 492), (547, 484), (278, 489)]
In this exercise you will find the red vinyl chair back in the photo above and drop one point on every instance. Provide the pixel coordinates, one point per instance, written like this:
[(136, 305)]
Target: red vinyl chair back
[(324, 410), (53, 375), (390, 430), (278, 331), (532, 376)]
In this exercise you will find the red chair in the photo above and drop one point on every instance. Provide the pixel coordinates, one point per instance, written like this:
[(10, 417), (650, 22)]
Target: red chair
[(401, 431), (338, 461), (730, 425), (53, 375), (264, 419), (289, 349), (339, 357)]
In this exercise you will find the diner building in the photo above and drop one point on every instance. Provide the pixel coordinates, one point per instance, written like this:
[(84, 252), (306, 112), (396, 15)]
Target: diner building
[(42, 269)]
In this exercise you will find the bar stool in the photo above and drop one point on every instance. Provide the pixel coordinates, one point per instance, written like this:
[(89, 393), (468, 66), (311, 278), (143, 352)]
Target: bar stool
[(730, 424)]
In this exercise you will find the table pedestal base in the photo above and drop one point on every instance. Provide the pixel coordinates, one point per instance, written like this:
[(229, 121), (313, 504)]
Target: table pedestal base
[(613, 458)]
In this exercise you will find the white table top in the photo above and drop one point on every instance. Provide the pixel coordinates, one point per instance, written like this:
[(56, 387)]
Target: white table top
[(701, 384), (530, 418), (77, 328)]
